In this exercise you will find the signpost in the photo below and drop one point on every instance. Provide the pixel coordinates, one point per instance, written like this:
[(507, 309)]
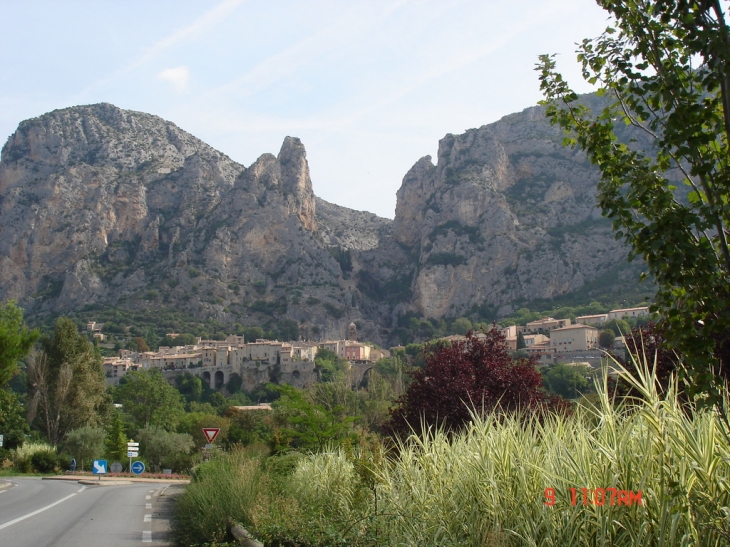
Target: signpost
[(138, 468), (132, 451), (211, 433), (99, 467), (2, 439)]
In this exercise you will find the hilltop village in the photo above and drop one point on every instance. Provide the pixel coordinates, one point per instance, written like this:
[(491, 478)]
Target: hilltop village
[(548, 340)]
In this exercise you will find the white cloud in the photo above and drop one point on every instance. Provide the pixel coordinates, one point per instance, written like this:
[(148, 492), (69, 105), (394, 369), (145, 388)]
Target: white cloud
[(177, 76), (186, 34)]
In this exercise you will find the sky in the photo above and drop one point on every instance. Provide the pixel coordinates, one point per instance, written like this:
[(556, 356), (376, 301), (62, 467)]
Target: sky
[(368, 86)]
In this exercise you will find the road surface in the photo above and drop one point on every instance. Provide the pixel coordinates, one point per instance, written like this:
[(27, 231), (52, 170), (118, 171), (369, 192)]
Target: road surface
[(40, 513)]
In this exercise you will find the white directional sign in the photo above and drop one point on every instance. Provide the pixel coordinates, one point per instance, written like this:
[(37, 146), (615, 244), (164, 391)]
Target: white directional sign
[(130, 445), (99, 467), (2, 439), (132, 454)]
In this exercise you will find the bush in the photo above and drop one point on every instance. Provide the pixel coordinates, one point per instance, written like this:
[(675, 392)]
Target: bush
[(44, 461), (64, 462), (476, 372), (23, 455)]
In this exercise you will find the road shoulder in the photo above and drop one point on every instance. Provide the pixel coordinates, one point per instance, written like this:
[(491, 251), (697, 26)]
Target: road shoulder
[(162, 520)]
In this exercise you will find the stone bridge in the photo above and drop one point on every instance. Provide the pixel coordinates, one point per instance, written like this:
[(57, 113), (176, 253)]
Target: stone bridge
[(360, 373), (252, 373)]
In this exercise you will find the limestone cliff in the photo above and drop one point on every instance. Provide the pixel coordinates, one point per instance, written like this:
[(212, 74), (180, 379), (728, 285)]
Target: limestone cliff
[(100, 205), (506, 215), (107, 207)]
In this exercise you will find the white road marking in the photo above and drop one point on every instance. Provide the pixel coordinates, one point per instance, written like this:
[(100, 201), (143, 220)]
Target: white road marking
[(146, 536), (148, 497), (147, 518), (148, 506), (150, 491), (10, 523)]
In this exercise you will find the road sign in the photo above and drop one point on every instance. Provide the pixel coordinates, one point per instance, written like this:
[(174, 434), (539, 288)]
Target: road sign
[(2, 439), (133, 454), (137, 468), (132, 445), (211, 433), (116, 467), (99, 467), (73, 465), (209, 446)]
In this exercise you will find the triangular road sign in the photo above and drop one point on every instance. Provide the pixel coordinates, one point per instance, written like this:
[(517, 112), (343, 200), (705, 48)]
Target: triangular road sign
[(211, 433)]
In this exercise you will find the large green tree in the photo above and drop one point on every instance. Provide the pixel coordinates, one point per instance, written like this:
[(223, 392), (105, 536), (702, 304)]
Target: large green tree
[(15, 340), (85, 444), (149, 400), (12, 420), (68, 385), (312, 426), (662, 68), (158, 445), (115, 443)]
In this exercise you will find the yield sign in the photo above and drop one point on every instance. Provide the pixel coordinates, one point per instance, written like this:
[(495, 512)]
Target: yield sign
[(211, 433)]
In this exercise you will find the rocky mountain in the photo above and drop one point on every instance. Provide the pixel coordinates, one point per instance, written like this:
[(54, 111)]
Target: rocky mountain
[(106, 207)]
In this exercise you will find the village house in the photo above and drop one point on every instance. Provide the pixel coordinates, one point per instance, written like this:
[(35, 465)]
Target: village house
[(574, 338), (530, 340), (335, 346), (355, 351), (628, 312), (115, 368), (598, 319), (546, 324)]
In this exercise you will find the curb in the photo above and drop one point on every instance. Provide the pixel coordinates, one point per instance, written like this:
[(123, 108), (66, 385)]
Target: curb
[(114, 481), (103, 483)]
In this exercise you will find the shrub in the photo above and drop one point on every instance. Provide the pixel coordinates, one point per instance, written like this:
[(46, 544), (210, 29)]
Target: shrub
[(22, 456), (44, 461), (477, 372)]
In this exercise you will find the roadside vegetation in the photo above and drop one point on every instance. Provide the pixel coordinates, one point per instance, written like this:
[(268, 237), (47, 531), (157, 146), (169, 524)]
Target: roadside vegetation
[(487, 483)]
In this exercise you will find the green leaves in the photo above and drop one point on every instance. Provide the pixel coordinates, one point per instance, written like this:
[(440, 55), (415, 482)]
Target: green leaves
[(15, 340), (150, 400), (661, 67)]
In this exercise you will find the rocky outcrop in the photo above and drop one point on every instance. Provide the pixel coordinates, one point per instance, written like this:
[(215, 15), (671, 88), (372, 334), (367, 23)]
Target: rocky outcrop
[(108, 207), (507, 214)]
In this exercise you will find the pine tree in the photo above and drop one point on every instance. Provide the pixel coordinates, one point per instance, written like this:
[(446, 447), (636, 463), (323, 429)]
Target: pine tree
[(115, 443)]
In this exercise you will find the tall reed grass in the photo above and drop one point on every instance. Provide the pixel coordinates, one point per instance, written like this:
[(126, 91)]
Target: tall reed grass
[(486, 485)]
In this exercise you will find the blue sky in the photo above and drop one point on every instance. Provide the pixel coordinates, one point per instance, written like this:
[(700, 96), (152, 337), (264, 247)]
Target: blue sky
[(369, 86)]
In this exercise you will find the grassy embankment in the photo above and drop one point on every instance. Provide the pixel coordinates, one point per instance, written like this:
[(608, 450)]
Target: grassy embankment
[(486, 485)]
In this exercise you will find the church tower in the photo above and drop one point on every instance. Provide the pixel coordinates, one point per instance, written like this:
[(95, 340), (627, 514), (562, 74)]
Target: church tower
[(352, 332)]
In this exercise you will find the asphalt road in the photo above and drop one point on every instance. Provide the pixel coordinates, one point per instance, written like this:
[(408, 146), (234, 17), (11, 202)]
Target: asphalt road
[(40, 513)]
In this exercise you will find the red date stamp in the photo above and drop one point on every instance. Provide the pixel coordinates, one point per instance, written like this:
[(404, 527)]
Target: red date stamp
[(597, 496)]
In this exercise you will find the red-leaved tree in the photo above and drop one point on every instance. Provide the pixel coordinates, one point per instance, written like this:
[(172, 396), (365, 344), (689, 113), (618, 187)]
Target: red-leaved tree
[(474, 374), (648, 341)]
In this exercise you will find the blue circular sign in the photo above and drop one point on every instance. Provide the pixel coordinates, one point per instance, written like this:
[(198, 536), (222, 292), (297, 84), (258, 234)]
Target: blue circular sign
[(138, 468)]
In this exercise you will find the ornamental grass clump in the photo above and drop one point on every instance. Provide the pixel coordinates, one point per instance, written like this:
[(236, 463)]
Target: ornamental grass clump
[(490, 481), (223, 489)]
